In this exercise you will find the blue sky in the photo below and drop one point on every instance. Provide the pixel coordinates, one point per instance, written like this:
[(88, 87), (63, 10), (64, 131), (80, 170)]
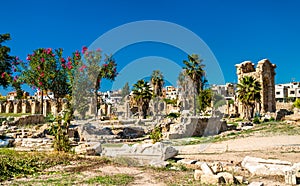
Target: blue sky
[(234, 31)]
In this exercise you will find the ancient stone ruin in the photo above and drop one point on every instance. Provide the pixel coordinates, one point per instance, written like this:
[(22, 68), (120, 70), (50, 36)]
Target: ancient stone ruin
[(265, 74)]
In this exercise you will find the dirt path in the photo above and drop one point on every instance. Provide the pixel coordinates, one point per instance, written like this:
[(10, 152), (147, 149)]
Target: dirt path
[(141, 177), (282, 147)]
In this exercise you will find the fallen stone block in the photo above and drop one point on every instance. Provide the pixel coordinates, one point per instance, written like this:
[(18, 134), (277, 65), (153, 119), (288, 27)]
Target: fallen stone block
[(148, 152), (159, 163), (212, 179), (229, 179), (198, 174), (206, 169), (217, 167), (89, 148), (187, 161), (240, 179), (256, 184), (259, 166)]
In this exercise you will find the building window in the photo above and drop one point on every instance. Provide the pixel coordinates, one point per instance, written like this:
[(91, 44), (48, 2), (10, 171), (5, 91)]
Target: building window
[(292, 92), (277, 93)]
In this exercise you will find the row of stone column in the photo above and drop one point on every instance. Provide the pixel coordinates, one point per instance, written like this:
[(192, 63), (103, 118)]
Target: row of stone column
[(31, 106)]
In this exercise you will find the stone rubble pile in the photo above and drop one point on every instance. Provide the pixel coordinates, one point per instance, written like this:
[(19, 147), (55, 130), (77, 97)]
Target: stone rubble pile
[(218, 173), (263, 167)]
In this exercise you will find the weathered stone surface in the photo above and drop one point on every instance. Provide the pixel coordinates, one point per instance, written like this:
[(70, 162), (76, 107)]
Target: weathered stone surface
[(196, 126), (89, 148), (158, 163), (240, 179), (197, 174), (229, 179), (212, 179), (259, 166), (187, 161), (265, 74), (149, 152), (206, 169), (217, 167), (256, 184)]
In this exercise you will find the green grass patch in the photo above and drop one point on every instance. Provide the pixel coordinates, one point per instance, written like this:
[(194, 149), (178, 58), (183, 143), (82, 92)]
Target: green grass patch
[(19, 164), (264, 129), (117, 179)]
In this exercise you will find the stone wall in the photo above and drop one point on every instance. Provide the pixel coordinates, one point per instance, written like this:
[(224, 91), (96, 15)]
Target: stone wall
[(265, 74), (26, 120)]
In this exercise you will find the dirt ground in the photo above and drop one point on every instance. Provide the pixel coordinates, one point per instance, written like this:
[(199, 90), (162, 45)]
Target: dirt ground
[(282, 147)]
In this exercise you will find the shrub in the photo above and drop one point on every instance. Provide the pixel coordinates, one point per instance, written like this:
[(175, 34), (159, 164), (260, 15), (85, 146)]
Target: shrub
[(256, 120), (297, 103), (156, 134)]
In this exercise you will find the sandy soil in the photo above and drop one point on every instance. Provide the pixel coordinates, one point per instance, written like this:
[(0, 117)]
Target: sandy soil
[(276, 147)]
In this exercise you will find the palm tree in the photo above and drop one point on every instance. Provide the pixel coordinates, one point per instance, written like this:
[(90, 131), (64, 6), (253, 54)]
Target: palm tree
[(249, 95), (142, 95), (157, 81), (194, 69)]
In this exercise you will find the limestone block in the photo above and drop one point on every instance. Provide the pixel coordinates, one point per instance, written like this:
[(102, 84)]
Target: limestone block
[(198, 174), (212, 179), (89, 148), (240, 179), (217, 167), (187, 161), (256, 184), (158, 163), (229, 179), (259, 166), (206, 169)]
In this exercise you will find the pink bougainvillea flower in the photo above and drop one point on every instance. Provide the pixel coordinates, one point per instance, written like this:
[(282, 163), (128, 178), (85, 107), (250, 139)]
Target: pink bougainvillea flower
[(3, 75), (53, 55), (62, 60), (42, 60), (17, 58), (98, 50), (69, 58), (105, 65), (38, 67), (63, 65), (49, 50), (40, 83), (15, 78), (28, 58), (84, 48), (70, 67), (42, 74)]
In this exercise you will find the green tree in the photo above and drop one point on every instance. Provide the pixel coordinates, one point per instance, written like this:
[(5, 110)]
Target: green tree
[(125, 90), (96, 69), (195, 70), (45, 70), (249, 95), (157, 82), (6, 61), (142, 95)]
